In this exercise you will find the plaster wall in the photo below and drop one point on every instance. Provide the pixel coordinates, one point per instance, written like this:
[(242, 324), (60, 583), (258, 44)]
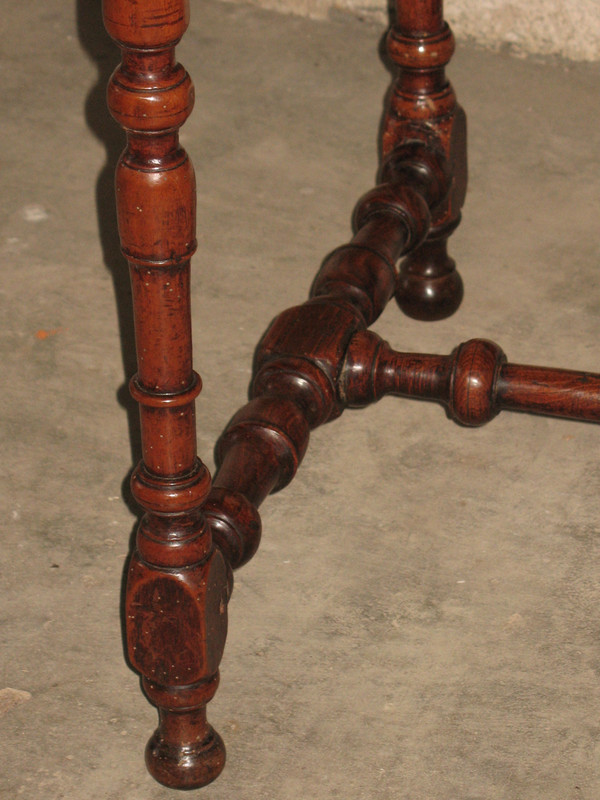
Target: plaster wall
[(567, 28)]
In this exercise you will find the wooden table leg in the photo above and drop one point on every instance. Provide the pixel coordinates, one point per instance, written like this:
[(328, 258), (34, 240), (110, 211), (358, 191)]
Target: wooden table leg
[(423, 106), (314, 361), (178, 584)]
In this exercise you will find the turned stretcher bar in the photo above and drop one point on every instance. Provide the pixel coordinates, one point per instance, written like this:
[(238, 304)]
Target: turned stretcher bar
[(314, 360)]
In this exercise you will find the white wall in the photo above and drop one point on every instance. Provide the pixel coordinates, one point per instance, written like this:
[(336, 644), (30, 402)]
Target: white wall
[(569, 28)]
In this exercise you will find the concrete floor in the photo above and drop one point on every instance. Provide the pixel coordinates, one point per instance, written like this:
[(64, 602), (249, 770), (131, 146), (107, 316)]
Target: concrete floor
[(422, 620)]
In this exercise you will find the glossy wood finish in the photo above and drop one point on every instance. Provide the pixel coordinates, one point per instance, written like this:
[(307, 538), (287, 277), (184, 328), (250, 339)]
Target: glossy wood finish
[(313, 361), (298, 361), (474, 382), (178, 583), (423, 106)]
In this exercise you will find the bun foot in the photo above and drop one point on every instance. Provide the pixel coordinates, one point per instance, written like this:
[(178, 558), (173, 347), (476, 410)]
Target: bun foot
[(429, 287), (178, 759)]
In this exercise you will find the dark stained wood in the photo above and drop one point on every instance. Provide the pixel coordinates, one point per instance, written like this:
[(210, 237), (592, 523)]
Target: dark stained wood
[(423, 106), (314, 360), (178, 583), (474, 382), (555, 392), (298, 361)]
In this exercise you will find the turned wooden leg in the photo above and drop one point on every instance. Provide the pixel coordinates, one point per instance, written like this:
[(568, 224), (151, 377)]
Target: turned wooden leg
[(177, 590), (423, 107), (314, 360)]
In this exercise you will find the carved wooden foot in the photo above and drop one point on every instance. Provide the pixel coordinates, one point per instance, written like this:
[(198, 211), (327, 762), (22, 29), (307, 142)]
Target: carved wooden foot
[(429, 287), (423, 106), (178, 584)]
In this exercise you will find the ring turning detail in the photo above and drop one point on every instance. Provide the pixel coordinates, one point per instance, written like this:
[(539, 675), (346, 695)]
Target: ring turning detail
[(314, 360)]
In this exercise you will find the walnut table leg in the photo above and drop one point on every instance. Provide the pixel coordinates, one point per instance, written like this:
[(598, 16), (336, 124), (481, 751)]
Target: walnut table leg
[(423, 107), (178, 583)]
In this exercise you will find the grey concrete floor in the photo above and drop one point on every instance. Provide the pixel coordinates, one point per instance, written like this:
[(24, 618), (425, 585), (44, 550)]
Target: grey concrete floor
[(422, 620)]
